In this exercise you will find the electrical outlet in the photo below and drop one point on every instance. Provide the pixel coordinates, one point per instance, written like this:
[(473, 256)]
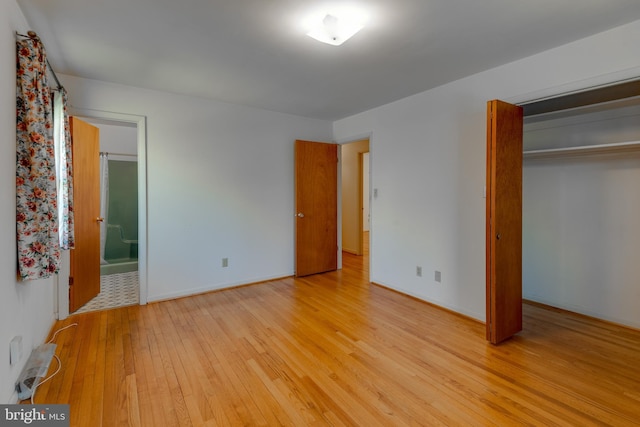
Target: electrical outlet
[(419, 271), (438, 277), (225, 262)]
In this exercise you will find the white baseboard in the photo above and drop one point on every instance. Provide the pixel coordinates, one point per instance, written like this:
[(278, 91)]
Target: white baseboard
[(214, 287), (473, 315)]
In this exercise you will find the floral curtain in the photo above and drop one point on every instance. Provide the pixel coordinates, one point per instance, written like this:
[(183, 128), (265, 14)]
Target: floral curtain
[(36, 204)]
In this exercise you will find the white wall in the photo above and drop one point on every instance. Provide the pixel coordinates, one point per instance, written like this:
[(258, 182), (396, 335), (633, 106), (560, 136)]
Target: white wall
[(429, 165), (117, 138), (220, 185), (26, 308), (581, 235)]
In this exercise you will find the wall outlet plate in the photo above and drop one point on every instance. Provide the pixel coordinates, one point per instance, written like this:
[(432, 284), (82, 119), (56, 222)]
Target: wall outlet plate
[(15, 350)]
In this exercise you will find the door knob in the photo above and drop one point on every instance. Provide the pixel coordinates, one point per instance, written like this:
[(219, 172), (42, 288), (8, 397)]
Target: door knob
[(300, 215), (100, 219), (498, 236)]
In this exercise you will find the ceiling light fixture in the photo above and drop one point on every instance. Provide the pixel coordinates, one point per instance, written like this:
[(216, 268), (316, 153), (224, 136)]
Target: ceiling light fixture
[(335, 27)]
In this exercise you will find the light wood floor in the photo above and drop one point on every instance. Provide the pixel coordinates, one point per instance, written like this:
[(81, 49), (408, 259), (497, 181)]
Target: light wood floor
[(332, 349)]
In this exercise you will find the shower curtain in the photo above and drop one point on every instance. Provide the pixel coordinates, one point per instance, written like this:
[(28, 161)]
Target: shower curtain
[(104, 202)]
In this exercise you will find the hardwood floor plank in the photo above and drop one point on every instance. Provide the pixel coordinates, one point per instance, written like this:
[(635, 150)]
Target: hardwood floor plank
[(113, 363), (133, 408), (82, 391), (171, 367), (333, 349)]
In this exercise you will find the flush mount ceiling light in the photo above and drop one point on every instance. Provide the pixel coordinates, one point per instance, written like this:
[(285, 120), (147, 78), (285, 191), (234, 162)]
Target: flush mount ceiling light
[(335, 26)]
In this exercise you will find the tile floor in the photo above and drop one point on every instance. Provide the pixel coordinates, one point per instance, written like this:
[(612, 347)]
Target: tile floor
[(116, 290)]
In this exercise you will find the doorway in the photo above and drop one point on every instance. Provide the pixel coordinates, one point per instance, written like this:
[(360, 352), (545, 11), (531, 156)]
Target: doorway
[(119, 243), (355, 198), (135, 126)]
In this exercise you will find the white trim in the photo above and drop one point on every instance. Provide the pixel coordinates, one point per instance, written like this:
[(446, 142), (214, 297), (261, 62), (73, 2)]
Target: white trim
[(218, 287), (434, 301), (601, 81), (141, 125), (577, 308), (355, 138)]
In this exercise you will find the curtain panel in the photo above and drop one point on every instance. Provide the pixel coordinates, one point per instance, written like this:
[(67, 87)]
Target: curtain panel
[(36, 204), (64, 170)]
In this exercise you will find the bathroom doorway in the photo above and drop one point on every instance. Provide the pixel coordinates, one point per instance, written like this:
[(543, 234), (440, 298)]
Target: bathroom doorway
[(119, 284), (123, 260)]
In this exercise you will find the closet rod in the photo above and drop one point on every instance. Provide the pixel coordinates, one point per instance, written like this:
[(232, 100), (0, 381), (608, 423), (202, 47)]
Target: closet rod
[(32, 35), (109, 153), (618, 147)]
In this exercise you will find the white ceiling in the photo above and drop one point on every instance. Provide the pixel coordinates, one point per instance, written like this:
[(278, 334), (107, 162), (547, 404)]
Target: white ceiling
[(254, 52)]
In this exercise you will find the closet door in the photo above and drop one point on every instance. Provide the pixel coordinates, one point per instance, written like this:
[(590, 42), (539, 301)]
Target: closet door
[(504, 221)]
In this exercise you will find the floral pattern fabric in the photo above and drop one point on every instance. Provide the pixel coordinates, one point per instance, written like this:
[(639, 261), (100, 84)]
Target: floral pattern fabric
[(36, 210), (65, 177)]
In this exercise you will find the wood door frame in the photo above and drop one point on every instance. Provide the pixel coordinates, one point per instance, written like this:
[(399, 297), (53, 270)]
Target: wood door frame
[(62, 281)]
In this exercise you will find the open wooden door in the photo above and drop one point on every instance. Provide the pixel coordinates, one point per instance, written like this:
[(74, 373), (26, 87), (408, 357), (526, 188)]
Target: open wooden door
[(84, 279), (504, 220), (316, 165)]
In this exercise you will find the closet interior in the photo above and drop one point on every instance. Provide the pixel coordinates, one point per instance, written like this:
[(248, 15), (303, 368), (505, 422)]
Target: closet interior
[(581, 202)]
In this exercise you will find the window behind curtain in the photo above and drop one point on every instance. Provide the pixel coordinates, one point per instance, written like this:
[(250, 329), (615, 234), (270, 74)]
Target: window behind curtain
[(63, 170)]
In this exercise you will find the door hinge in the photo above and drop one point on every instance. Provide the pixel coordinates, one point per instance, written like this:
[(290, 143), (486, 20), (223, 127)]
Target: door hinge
[(70, 281)]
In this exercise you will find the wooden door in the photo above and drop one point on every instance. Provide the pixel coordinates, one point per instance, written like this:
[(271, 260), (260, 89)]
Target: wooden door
[(504, 220), (84, 280), (316, 166)]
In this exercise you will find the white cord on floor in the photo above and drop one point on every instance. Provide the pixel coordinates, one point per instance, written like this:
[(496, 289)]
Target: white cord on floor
[(47, 379), (33, 393), (60, 330)]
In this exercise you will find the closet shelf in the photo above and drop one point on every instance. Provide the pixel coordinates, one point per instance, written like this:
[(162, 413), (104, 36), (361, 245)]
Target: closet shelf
[(584, 150)]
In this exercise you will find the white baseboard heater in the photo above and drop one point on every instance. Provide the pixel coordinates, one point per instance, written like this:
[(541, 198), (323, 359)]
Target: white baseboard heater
[(35, 369)]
